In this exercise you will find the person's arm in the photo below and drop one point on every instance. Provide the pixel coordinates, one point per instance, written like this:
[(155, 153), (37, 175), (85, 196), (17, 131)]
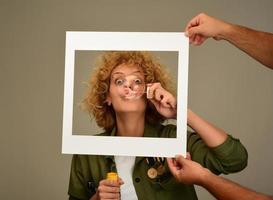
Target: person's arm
[(225, 189), (190, 172), (106, 189), (209, 146), (213, 148), (211, 135), (257, 44)]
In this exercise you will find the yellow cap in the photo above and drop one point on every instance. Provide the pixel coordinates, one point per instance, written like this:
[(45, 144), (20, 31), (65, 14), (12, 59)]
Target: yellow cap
[(112, 176)]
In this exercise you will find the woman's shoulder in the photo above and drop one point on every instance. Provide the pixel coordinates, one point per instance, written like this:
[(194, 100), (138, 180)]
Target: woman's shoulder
[(164, 130), (170, 131), (86, 157), (169, 128)]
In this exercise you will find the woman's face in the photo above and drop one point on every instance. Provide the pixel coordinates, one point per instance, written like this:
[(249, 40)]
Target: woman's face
[(127, 88)]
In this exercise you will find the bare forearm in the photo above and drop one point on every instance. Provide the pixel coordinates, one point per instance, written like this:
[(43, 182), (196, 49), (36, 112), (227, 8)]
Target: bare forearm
[(211, 135), (257, 44), (224, 189)]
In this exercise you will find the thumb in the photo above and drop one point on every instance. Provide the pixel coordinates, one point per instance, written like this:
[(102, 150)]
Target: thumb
[(172, 166), (180, 160), (194, 30)]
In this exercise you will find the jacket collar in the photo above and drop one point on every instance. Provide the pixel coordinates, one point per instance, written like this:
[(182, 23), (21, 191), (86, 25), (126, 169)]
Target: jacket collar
[(149, 130)]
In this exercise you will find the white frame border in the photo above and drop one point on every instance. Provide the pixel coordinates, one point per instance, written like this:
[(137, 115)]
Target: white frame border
[(127, 146)]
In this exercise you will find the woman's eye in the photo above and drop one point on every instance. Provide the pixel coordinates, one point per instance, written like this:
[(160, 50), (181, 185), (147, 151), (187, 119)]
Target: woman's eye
[(138, 81), (119, 81)]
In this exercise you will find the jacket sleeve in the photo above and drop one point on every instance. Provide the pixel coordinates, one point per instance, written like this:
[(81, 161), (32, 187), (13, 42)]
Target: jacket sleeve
[(78, 189), (231, 156)]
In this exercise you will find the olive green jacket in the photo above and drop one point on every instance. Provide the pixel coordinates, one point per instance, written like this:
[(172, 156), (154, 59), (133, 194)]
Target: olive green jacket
[(88, 170)]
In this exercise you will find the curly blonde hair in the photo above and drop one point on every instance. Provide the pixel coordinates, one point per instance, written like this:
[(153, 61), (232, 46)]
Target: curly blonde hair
[(95, 100)]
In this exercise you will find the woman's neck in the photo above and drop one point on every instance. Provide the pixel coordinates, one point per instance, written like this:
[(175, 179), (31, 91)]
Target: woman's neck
[(130, 124)]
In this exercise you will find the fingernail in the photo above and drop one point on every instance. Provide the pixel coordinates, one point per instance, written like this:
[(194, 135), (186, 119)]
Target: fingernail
[(186, 33), (148, 95)]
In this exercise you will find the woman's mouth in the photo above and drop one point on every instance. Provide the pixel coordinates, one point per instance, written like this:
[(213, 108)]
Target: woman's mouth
[(131, 94)]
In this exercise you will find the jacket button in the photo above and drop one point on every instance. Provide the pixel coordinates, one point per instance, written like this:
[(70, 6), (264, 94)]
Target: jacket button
[(137, 180)]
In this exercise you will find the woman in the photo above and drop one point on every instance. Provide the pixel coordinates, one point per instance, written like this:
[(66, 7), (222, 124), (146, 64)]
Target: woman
[(129, 96)]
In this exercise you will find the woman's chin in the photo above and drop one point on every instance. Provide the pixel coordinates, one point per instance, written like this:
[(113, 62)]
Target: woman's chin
[(131, 106)]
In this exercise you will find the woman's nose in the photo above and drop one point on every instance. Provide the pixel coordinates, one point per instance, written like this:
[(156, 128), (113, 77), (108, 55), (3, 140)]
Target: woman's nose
[(129, 84)]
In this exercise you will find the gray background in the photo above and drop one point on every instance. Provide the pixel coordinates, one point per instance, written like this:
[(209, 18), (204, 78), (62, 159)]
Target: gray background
[(226, 87)]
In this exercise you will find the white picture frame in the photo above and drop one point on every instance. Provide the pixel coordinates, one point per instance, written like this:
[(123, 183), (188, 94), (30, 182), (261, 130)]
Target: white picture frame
[(126, 146)]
